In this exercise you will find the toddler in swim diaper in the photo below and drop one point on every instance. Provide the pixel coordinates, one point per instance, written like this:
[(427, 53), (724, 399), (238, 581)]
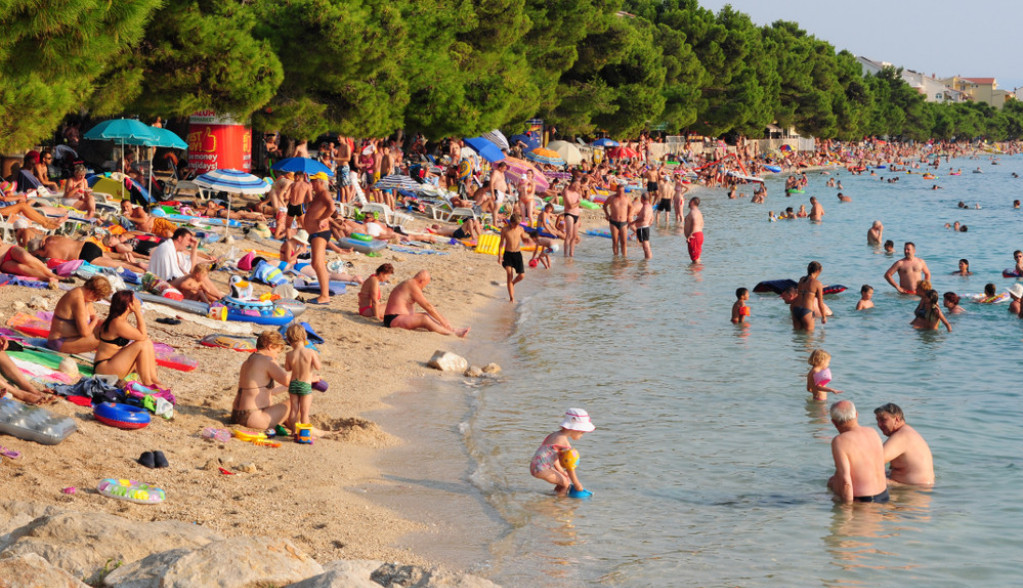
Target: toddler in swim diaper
[(819, 376)]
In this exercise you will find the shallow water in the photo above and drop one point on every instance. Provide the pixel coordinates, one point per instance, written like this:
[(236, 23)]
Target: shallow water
[(709, 464)]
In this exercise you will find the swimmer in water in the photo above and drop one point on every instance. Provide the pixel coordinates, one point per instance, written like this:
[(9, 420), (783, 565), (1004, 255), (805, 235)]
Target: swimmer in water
[(819, 376), (739, 310)]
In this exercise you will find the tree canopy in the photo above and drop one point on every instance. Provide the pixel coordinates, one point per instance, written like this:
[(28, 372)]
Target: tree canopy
[(453, 67)]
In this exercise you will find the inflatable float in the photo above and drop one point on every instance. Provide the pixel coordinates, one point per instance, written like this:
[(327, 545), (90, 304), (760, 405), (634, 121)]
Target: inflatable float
[(1011, 273), (779, 286), (260, 312), (773, 168), (131, 491), (121, 416), (33, 423), (225, 341), (371, 246)]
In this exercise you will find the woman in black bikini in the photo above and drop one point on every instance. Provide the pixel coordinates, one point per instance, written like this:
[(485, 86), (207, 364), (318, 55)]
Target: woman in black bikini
[(74, 317), (123, 348), (808, 290)]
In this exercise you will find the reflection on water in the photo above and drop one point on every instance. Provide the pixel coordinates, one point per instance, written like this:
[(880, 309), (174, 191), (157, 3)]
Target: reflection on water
[(868, 536)]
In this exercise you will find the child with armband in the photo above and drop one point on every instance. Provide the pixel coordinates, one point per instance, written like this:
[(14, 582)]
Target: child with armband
[(739, 310), (819, 376), (555, 461), (302, 362)]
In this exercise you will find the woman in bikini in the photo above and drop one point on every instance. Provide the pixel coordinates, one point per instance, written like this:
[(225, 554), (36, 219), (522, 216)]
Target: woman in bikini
[(124, 348), (72, 329), (928, 314), (77, 193), (808, 291), (371, 294), (252, 406), (17, 261)]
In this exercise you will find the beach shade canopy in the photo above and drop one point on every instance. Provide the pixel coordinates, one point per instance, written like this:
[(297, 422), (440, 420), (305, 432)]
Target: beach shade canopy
[(486, 148), (622, 153), (568, 151), (233, 182), (121, 130), (544, 155), (604, 142), (516, 174), (160, 138), (398, 182), (497, 138), (302, 165)]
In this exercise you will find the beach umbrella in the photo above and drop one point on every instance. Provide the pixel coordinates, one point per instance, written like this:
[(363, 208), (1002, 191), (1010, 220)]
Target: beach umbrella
[(604, 142), (121, 130), (161, 138), (398, 182), (568, 151), (516, 174), (302, 165), (232, 181), (622, 153), (543, 155), (486, 148), (497, 138)]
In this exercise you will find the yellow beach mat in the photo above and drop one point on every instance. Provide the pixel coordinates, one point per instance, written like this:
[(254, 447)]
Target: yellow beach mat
[(489, 244)]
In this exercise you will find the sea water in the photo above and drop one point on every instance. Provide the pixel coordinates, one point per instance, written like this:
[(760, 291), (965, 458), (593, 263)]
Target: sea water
[(709, 464)]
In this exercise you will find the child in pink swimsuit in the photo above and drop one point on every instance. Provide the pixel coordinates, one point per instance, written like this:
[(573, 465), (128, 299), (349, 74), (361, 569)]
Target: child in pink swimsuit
[(819, 376), (546, 463)]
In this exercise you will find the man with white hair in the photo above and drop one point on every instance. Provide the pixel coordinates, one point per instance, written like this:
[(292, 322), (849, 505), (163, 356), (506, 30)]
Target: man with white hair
[(859, 458)]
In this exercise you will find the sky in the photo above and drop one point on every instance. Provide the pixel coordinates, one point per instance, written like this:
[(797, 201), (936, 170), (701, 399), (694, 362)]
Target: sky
[(945, 37)]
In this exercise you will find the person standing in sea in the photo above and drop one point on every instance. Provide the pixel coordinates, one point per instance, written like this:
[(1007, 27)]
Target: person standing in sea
[(693, 230), (616, 211), (572, 196), (909, 268)]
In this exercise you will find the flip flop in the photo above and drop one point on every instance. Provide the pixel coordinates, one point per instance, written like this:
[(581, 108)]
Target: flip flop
[(317, 303), (147, 459), (160, 459), (9, 452)]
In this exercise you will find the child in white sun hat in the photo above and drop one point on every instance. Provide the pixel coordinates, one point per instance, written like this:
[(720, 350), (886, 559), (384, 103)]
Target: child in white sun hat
[(555, 460)]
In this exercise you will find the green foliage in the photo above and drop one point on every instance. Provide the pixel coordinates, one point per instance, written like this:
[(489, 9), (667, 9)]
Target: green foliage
[(54, 54)]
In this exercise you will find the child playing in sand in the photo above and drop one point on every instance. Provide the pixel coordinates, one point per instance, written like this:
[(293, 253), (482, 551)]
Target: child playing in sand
[(547, 461), (302, 363), (819, 376), (866, 293), (739, 310)]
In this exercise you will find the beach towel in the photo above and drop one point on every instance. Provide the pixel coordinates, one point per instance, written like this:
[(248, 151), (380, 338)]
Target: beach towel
[(412, 251), (336, 288)]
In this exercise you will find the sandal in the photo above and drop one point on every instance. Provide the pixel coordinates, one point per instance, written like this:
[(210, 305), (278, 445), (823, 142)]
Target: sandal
[(9, 452)]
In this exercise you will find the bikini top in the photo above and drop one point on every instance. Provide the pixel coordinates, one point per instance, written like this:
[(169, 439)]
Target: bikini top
[(119, 341)]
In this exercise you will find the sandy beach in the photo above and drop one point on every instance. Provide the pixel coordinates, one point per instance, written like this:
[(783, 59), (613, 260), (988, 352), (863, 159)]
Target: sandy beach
[(296, 491)]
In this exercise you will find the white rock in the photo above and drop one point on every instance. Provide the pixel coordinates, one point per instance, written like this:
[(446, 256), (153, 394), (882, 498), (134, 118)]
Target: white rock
[(447, 362), (395, 575), (491, 368), (231, 563), (39, 302), (28, 570), (343, 573), (474, 371)]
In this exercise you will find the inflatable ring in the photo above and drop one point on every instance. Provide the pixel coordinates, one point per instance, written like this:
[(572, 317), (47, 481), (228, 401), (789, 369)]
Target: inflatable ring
[(361, 237), (131, 491), (121, 416)]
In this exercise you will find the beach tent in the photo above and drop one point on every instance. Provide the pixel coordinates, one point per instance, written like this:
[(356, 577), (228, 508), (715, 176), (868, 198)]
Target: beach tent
[(568, 151)]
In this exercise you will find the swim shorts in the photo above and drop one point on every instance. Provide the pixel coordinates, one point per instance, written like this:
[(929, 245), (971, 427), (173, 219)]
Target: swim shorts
[(695, 245), (651, 187), (343, 179), (643, 234), (296, 210), (513, 259), (460, 233), (880, 497), (325, 235), (664, 205), (300, 388), (90, 251)]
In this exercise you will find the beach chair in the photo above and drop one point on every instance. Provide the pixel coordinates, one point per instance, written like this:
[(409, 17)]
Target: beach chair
[(384, 212)]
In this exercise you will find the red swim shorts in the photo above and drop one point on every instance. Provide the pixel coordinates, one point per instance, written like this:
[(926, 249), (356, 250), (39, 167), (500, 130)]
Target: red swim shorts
[(695, 244)]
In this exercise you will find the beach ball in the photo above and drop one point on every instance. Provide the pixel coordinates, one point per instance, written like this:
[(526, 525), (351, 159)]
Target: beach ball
[(532, 263)]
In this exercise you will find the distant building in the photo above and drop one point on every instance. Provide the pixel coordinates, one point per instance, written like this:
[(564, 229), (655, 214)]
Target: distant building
[(943, 90), (980, 90)]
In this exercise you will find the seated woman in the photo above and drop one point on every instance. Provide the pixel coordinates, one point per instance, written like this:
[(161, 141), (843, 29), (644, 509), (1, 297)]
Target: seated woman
[(77, 193), (252, 406), (370, 295), (197, 285), (17, 261), (72, 329), (123, 348), (18, 386), (928, 313)]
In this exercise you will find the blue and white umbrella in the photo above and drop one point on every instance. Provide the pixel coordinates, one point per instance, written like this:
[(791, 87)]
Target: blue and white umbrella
[(302, 165), (232, 181), (604, 142), (398, 182), (497, 138), (486, 148)]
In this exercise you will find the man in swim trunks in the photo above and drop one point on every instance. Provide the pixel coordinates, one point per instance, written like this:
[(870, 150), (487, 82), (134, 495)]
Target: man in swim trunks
[(906, 450), (511, 258), (297, 198), (344, 169), (644, 217), (400, 312), (910, 269), (665, 192), (859, 458), (693, 230), (616, 211), (317, 223), (278, 201), (60, 247), (816, 210)]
